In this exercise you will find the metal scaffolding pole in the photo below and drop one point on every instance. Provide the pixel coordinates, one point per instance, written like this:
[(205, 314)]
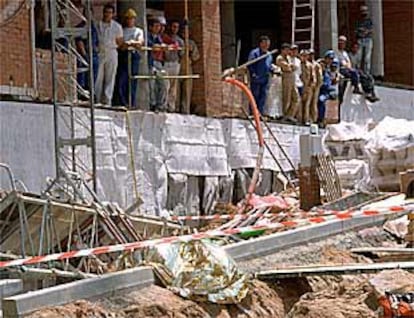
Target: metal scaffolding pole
[(66, 36)]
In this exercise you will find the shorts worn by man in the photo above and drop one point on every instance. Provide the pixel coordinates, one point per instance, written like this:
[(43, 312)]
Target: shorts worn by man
[(260, 72), (110, 36)]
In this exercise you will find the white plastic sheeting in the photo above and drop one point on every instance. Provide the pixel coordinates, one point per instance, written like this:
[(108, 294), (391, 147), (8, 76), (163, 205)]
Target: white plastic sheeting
[(164, 144), (390, 147), (274, 104), (398, 103), (26, 143)]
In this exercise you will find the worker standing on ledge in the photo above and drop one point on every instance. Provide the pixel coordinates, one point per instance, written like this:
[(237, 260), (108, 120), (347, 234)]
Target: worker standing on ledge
[(260, 72), (110, 36), (133, 39)]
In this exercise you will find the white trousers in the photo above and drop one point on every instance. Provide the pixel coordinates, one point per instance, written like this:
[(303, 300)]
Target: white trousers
[(105, 81), (173, 69)]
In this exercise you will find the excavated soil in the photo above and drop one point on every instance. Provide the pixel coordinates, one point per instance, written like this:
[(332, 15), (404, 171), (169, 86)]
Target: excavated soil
[(348, 296), (154, 301)]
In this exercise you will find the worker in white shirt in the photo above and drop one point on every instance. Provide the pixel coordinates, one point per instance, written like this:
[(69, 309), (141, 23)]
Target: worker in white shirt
[(296, 61), (110, 36)]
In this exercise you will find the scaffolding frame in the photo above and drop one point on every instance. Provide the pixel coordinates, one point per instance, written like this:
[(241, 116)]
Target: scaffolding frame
[(63, 38)]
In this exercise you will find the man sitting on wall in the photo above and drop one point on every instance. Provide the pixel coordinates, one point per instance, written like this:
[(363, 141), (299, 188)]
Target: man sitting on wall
[(366, 79), (345, 65)]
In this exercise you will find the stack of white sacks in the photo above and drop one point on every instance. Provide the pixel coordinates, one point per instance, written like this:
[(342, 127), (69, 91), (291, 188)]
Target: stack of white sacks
[(390, 148), (371, 157)]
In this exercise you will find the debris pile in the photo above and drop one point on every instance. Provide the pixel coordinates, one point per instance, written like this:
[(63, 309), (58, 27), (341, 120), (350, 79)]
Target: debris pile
[(154, 302)]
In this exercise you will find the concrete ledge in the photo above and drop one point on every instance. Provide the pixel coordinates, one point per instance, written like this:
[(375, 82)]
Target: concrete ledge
[(279, 241), (105, 285)]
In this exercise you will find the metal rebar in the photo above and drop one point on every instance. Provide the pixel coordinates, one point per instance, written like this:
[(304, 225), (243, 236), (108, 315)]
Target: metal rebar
[(91, 94)]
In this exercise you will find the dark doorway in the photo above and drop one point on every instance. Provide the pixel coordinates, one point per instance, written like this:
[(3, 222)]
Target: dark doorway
[(262, 19)]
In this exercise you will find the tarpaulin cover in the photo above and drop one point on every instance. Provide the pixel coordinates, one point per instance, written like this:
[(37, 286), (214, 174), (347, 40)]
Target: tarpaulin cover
[(199, 270), (163, 144)]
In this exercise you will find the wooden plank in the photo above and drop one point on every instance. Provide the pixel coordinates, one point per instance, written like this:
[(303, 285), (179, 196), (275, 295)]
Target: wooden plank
[(302, 271)]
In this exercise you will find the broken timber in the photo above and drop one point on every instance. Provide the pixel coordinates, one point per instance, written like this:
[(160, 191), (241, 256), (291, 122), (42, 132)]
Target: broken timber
[(332, 270)]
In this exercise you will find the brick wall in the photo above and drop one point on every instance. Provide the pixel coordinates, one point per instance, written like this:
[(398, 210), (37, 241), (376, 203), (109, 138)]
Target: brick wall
[(15, 45), (204, 17), (66, 83), (398, 30), (398, 27)]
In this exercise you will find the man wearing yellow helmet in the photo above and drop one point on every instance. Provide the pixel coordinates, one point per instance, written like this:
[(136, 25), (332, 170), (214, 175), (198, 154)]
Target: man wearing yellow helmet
[(133, 39)]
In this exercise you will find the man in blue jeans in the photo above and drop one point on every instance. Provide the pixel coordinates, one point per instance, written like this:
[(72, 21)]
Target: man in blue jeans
[(364, 32), (260, 71), (133, 40)]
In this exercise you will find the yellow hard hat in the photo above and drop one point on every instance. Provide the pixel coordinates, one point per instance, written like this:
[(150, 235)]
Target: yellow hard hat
[(130, 13)]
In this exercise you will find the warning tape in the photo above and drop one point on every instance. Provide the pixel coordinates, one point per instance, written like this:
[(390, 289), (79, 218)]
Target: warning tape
[(185, 238), (302, 214)]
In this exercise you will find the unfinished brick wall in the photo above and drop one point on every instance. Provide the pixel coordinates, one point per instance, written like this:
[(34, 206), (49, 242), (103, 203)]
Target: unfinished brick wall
[(15, 44), (66, 83), (204, 19)]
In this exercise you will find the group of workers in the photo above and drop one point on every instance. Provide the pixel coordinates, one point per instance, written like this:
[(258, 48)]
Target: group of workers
[(307, 83), (117, 54)]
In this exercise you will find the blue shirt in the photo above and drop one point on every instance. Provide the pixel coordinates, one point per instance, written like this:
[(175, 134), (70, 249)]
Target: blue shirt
[(95, 40), (364, 28), (151, 41), (326, 82), (259, 71)]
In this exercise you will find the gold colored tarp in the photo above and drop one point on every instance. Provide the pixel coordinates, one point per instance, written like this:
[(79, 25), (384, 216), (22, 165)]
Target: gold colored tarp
[(199, 270)]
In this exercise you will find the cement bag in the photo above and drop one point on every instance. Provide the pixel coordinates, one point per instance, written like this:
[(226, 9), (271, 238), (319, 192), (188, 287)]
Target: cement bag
[(390, 148)]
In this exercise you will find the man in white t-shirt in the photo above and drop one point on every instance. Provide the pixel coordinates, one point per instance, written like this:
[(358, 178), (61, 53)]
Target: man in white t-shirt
[(110, 36), (133, 40)]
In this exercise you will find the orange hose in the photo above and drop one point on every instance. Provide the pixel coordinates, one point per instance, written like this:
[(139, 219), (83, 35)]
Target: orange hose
[(259, 131)]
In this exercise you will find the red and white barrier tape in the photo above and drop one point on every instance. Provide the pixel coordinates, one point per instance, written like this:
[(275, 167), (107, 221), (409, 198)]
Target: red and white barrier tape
[(186, 238), (302, 214)]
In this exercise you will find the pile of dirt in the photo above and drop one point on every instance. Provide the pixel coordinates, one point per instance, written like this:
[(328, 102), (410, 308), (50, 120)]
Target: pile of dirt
[(78, 309), (156, 302)]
